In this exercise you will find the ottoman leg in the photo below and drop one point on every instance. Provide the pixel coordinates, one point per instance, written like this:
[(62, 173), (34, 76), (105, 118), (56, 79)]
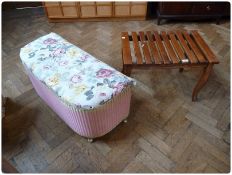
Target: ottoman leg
[(125, 120), (90, 140)]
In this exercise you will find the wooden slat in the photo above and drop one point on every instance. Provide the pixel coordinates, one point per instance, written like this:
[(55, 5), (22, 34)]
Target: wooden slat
[(153, 48), (204, 47), (161, 48), (136, 48), (144, 46), (171, 52), (197, 52), (189, 53), (176, 46), (127, 59)]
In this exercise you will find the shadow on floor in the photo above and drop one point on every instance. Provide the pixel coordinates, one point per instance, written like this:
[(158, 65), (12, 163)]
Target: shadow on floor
[(16, 124)]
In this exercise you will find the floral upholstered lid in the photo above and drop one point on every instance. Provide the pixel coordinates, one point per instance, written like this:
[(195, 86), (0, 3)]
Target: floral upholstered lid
[(75, 76)]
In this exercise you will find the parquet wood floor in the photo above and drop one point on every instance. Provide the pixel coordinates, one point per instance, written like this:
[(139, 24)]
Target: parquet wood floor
[(166, 131)]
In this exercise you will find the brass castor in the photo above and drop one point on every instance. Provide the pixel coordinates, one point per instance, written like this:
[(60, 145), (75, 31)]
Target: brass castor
[(125, 121), (90, 140)]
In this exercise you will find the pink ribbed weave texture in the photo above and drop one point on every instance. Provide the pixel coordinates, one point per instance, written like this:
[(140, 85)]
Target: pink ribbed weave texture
[(90, 123)]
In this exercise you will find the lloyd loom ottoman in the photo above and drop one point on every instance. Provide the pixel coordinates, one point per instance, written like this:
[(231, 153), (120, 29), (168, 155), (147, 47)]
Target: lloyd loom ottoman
[(90, 96), (176, 49)]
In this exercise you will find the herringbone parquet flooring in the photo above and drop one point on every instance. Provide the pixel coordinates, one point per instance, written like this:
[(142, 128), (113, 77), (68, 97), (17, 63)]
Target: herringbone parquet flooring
[(166, 132)]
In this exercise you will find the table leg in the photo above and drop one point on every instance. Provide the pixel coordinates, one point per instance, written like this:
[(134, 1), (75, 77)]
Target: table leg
[(202, 81), (181, 69), (126, 70)]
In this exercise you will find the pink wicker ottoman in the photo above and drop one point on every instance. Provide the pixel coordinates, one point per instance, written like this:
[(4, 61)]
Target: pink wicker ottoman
[(91, 97)]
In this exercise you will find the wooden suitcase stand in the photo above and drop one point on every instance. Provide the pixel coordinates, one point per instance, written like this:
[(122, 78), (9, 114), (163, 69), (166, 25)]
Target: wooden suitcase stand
[(161, 49)]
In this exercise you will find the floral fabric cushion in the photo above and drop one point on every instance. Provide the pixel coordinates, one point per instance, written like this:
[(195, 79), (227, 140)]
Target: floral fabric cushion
[(75, 76)]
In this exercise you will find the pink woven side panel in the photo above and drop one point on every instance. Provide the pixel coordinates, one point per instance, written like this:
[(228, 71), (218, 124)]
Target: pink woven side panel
[(88, 123)]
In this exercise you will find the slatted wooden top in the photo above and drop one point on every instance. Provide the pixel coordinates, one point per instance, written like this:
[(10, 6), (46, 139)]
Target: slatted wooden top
[(169, 48)]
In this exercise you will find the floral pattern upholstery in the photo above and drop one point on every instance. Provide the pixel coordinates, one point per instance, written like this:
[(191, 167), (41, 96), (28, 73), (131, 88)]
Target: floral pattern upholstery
[(75, 76)]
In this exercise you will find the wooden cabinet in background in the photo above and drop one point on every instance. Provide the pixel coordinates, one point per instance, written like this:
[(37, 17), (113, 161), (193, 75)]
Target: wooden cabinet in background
[(104, 9), (122, 9), (69, 9), (87, 11), (53, 9), (137, 9), (66, 11), (192, 10)]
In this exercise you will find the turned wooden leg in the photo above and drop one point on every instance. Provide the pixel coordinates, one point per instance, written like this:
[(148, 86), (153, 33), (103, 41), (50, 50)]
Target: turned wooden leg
[(181, 69), (202, 81), (126, 70)]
